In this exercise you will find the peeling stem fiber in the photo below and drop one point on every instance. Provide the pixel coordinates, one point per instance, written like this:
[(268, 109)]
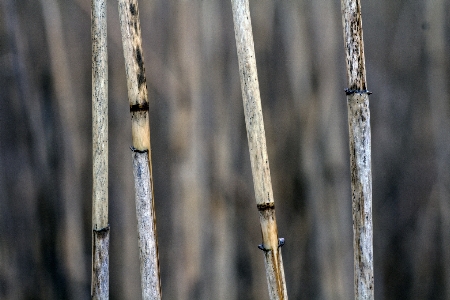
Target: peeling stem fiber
[(142, 166), (360, 149), (257, 148), (100, 237)]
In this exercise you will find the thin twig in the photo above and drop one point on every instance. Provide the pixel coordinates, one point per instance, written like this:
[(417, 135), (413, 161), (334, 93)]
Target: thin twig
[(142, 164), (360, 149), (258, 150)]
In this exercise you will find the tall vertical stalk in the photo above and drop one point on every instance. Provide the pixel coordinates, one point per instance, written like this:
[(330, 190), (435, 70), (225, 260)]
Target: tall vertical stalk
[(100, 251), (142, 166), (360, 149), (258, 149)]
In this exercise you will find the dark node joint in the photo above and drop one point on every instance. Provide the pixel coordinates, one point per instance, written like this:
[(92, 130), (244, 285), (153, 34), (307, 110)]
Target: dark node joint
[(265, 206), (261, 247), (139, 107), (280, 244), (102, 230), (137, 150), (351, 92)]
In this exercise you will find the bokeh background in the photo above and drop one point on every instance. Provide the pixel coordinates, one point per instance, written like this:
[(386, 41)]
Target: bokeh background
[(208, 226)]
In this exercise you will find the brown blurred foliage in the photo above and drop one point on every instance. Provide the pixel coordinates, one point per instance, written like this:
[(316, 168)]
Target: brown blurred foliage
[(208, 228)]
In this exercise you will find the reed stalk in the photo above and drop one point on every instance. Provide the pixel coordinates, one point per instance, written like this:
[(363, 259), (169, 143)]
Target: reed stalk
[(141, 150), (360, 149), (258, 150), (100, 249)]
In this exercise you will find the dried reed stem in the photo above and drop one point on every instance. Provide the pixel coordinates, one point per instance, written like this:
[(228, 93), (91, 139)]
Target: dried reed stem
[(142, 166), (258, 150), (360, 149), (100, 249)]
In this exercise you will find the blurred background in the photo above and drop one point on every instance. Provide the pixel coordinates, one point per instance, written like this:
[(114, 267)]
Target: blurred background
[(207, 221)]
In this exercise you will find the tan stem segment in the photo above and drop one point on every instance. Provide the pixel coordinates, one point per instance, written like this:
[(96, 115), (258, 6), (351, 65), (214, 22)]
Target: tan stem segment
[(135, 71), (257, 147), (360, 149), (100, 237), (100, 114), (354, 44), (142, 166)]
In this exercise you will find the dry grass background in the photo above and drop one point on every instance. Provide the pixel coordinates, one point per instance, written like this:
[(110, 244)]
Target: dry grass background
[(208, 228)]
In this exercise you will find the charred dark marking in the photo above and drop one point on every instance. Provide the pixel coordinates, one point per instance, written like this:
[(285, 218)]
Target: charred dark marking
[(138, 151), (351, 92), (135, 25), (133, 9), (139, 107), (265, 206), (141, 79), (140, 61)]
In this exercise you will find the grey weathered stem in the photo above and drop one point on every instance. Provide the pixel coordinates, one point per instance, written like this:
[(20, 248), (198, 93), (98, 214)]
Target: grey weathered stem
[(142, 166), (100, 264), (148, 253), (360, 149), (100, 249), (258, 150)]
